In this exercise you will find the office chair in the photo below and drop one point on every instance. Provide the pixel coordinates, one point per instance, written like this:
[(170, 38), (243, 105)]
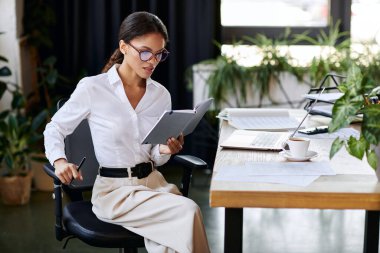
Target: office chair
[(76, 219)]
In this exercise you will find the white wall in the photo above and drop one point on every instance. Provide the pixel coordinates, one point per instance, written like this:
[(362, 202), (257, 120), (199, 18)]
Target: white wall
[(11, 27)]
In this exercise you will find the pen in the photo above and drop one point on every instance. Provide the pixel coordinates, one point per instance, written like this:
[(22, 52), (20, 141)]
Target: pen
[(308, 111), (80, 165)]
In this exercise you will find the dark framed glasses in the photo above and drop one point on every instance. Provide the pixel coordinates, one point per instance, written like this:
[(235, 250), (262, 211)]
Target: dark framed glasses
[(146, 55)]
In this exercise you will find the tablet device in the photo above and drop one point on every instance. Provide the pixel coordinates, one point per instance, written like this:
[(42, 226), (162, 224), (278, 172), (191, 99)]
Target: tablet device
[(173, 123)]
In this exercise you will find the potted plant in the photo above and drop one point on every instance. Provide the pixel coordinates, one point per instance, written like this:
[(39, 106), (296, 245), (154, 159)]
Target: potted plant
[(360, 97), (335, 52), (274, 62), (18, 134)]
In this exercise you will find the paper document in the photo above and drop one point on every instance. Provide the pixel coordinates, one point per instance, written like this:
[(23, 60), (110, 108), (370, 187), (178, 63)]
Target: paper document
[(260, 119), (239, 174), (326, 97), (288, 169), (324, 110), (258, 140)]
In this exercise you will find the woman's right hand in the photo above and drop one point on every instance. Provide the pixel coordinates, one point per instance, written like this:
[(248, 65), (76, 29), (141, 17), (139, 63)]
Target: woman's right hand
[(66, 171)]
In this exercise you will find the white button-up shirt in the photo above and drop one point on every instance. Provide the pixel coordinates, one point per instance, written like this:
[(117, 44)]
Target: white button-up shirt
[(117, 129)]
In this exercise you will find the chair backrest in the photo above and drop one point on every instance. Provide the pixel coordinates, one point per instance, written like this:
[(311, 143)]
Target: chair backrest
[(78, 145)]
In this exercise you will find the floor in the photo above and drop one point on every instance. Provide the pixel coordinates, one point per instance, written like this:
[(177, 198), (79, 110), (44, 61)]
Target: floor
[(30, 228)]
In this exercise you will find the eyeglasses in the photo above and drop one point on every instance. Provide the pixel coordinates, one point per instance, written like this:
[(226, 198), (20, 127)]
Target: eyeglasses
[(146, 55)]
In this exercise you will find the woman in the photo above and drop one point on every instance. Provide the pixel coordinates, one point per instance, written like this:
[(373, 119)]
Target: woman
[(121, 105)]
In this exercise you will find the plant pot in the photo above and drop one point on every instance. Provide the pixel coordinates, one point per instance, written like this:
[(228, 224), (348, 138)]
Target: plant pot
[(15, 190), (41, 181)]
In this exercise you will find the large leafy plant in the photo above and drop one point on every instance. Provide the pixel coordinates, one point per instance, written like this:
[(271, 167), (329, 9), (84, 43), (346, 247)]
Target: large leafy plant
[(228, 79), (335, 52), (18, 131), (274, 62), (358, 90)]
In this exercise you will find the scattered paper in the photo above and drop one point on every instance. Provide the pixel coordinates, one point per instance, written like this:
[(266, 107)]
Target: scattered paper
[(290, 173), (288, 168), (263, 123), (327, 97), (259, 118), (301, 181)]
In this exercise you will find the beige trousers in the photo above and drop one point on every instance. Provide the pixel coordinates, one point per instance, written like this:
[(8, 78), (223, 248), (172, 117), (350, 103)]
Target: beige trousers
[(153, 209)]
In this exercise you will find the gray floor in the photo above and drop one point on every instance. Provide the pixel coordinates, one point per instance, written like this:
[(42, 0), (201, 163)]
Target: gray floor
[(29, 228)]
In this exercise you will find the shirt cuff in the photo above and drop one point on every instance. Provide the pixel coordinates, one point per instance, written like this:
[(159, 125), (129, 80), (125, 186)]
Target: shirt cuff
[(157, 158), (54, 157)]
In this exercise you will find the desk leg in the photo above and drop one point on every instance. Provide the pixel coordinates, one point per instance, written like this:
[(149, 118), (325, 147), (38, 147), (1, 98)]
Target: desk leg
[(233, 230), (371, 232)]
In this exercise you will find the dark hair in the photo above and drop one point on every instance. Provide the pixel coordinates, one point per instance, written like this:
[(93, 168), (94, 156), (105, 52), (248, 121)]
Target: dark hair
[(135, 25)]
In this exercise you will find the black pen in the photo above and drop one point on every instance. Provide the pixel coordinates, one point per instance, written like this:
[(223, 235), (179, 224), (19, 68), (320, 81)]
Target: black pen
[(80, 165)]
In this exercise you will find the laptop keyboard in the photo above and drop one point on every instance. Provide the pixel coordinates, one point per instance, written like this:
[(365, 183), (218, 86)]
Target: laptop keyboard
[(265, 140)]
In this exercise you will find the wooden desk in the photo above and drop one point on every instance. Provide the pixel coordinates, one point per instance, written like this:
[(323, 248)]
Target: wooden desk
[(354, 187)]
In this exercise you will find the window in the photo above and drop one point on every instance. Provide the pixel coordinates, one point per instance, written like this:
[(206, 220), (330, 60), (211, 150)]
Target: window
[(271, 13), (365, 21), (270, 17)]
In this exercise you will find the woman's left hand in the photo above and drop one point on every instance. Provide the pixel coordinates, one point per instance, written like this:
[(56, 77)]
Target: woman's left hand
[(173, 145)]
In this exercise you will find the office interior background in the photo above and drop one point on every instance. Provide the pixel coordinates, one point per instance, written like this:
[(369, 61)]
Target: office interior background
[(49, 45)]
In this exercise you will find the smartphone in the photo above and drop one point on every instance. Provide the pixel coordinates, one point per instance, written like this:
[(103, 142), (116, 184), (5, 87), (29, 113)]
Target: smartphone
[(314, 130)]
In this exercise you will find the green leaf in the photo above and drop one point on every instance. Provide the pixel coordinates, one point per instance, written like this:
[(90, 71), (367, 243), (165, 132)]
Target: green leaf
[(50, 61), (38, 120), (336, 146), (371, 123), (356, 147), (344, 111), (51, 78), (5, 71), (3, 88), (2, 58), (12, 121), (372, 159), (18, 101), (8, 161), (4, 114)]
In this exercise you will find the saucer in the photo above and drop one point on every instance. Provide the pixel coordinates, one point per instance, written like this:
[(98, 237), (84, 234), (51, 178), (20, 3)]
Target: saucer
[(310, 154)]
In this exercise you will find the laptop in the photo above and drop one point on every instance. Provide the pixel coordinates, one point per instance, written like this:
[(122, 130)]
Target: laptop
[(257, 140), (260, 140)]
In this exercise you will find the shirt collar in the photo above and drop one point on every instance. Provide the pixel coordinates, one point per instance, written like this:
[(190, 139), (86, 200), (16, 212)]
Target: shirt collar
[(114, 78)]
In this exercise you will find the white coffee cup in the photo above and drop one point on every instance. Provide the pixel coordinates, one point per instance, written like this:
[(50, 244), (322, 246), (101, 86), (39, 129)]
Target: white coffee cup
[(298, 146)]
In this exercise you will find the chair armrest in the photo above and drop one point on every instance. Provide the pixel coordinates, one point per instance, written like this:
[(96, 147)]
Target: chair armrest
[(191, 162), (74, 193), (188, 163), (60, 233), (49, 169)]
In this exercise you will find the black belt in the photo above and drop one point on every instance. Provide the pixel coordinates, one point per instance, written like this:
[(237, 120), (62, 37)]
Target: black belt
[(140, 171)]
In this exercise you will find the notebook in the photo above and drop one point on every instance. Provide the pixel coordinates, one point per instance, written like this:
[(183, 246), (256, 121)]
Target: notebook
[(173, 123), (258, 140)]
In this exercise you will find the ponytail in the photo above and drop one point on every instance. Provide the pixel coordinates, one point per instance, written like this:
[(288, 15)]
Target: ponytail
[(116, 57)]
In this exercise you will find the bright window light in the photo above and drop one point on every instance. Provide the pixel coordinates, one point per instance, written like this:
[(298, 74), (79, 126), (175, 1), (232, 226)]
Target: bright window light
[(304, 13)]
